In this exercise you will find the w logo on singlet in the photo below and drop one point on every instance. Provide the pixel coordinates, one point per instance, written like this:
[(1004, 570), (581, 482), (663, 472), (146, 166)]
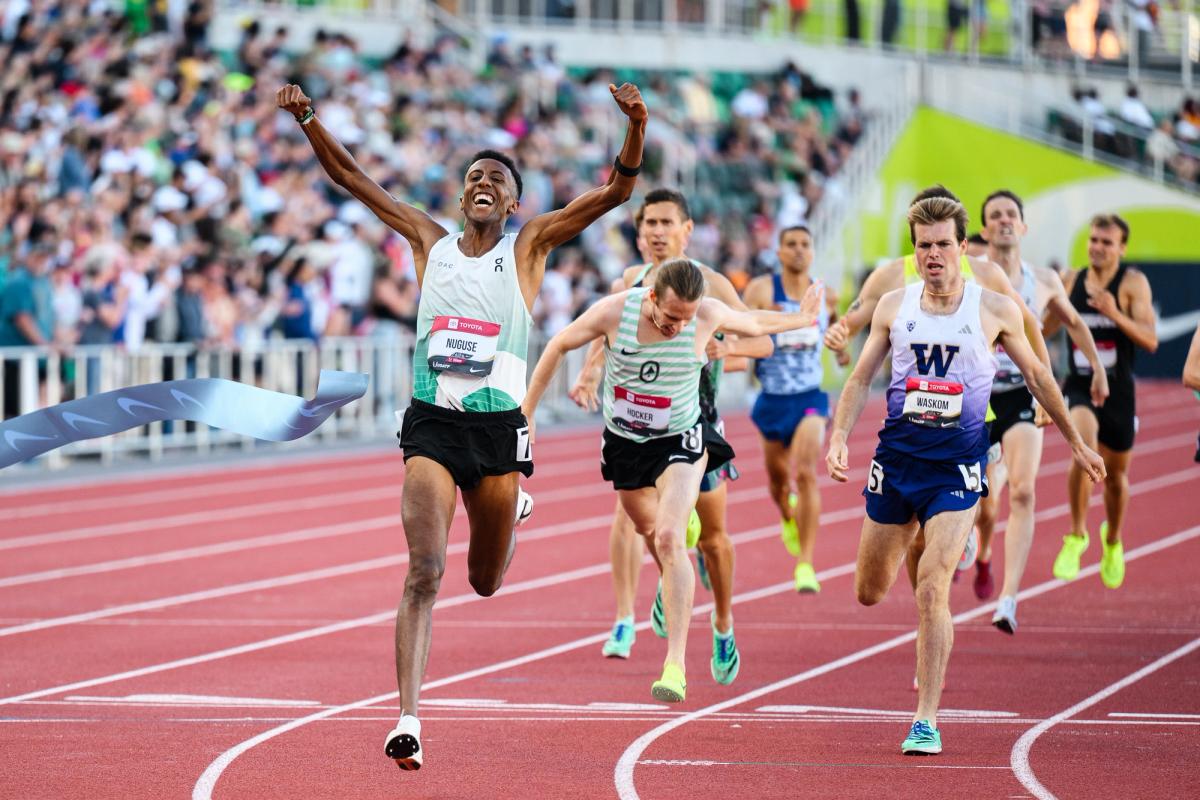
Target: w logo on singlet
[(938, 360)]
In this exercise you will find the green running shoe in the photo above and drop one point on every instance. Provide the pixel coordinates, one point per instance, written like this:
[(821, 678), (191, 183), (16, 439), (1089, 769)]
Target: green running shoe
[(788, 530), (671, 687), (1112, 561), (658, 620), (702, 570), (621, 640), (806, 579), (923, 740), (726, 661), (692, 537), (1066, 566)]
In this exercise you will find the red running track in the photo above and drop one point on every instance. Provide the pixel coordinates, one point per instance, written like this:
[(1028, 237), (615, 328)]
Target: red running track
[(228, 634)]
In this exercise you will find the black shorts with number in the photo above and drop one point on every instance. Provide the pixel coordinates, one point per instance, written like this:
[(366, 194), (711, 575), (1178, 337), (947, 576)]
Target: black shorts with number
[(636, 465), (1117, 417), (470, 445), (1011, 408)]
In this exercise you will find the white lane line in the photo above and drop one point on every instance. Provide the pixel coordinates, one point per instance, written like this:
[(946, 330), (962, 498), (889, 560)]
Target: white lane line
[(290, 505), (623, 774), (276, 641), (579, 526), (304, 502), (1020, 751), (1148, 715), (208, 780), (550, 496), (287, 480)]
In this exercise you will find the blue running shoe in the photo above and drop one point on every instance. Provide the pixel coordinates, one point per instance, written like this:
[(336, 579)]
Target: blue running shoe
[(621, 640), (726, 661), (923, 740)]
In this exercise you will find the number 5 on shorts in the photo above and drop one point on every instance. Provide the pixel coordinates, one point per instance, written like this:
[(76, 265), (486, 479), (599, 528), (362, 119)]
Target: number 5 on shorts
[(972, 477), (875, 478)]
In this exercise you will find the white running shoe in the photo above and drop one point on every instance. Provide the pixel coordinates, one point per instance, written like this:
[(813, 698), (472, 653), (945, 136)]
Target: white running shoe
[(1005, 617), (524, 507), (404, 743), (969, 552)]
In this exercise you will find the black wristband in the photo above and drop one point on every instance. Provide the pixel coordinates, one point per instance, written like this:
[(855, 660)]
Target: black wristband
[(628, 172)]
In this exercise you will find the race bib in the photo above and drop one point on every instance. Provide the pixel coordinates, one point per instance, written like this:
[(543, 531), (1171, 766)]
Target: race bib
[(458, 344), (1007, 374), (933, 403), (1106, 350), (799, 339), (643, 414)]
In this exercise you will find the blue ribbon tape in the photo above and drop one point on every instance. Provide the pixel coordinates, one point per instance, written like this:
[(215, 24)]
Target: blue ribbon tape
[(223, 404)]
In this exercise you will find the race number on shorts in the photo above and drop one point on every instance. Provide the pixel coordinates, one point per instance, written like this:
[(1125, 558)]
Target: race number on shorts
[(458, 344)]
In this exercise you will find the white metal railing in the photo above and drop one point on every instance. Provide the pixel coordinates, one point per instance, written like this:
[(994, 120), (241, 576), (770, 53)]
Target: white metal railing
[(46, 377), (836, 223)]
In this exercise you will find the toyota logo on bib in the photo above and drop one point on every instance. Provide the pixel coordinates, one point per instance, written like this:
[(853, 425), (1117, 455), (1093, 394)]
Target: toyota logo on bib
[(649, 372)]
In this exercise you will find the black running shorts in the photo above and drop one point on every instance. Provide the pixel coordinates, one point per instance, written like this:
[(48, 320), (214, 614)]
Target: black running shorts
[(636, 465), (1011, 408), (1118, 415), (470, 445)]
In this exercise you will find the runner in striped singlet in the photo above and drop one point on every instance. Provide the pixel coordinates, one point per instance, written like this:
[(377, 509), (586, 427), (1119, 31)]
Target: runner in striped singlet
[(657, 443), (664, 224)]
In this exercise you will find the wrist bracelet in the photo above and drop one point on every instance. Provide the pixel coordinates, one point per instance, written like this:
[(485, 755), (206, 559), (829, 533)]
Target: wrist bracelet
[(628, 172), (308, 116)]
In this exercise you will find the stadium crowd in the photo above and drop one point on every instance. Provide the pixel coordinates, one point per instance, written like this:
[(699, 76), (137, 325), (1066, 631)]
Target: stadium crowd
[(155, 193)]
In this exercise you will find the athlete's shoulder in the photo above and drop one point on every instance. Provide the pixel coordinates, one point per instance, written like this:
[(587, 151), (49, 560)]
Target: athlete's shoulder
[(888, 276), (760, 287), (630, 274), (997, 303)]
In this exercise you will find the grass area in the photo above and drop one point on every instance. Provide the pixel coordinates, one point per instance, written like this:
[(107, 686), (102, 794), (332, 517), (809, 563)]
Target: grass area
[(828, 16)]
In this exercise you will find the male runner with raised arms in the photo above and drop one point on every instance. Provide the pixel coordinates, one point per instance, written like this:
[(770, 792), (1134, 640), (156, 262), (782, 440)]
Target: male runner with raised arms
[(791, 411), (665, 223), (657, 440), (928, 470), (464, 429), (1014, 428), (1115, 303)]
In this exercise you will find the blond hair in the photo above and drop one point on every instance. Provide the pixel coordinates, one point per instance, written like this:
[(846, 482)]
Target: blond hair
[(932, 210)]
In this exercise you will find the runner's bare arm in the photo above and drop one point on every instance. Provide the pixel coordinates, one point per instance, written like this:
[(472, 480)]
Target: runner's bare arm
[(1138, 324), (722, 289), (862, 310), (597, 322), (1191, 367), (831, 300), (546, 231), (1039, 379), (992, 276), (854, 393), (584, 391), (1054, 322), (421, 231), (715, 315), (1060, 305)]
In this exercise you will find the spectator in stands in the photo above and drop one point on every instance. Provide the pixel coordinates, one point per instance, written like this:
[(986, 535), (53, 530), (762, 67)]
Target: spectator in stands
[(1134, 111), (26, 317)]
